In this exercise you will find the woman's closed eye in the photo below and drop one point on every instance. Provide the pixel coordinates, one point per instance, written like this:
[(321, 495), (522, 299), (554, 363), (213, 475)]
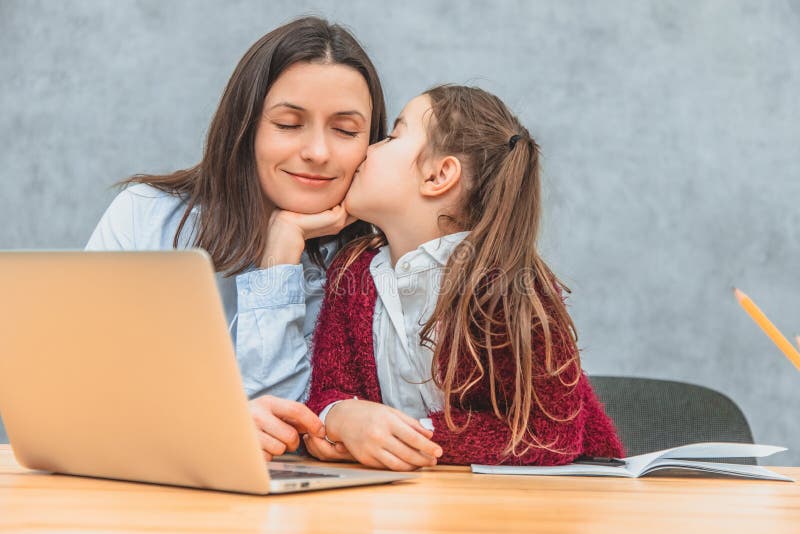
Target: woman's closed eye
[(347, 125), (282, 126), (347, 132)]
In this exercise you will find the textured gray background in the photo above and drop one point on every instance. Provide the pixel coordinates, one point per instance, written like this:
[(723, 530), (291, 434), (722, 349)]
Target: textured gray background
[(670, 131)]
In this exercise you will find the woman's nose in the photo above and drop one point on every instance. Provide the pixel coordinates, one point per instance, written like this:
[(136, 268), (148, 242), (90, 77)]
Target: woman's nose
[(315, 147)]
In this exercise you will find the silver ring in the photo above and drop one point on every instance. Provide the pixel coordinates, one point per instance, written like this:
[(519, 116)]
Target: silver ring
[(329, 440)]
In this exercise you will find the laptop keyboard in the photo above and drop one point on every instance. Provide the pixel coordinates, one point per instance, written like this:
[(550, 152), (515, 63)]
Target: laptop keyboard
[(283, 474)]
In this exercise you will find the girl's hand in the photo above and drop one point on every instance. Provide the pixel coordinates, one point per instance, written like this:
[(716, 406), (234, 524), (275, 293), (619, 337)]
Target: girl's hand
[(379, 436), (288, 231), (280, 423), (321, 449)]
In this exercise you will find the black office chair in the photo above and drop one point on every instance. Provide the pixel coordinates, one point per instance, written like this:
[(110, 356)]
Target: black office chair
[(651, 415)]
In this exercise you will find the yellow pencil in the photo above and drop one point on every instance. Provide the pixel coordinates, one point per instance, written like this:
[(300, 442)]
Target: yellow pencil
[(766, 325)]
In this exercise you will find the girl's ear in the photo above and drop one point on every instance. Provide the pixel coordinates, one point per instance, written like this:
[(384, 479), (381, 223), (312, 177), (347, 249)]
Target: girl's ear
[(442, 177)]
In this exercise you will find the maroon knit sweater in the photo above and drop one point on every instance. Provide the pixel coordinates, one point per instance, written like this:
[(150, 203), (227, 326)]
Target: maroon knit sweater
[(344, 367)]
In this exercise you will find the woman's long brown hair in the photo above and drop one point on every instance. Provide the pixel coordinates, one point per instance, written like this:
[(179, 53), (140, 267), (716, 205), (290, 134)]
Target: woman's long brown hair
[(225, 183), (498, 298)]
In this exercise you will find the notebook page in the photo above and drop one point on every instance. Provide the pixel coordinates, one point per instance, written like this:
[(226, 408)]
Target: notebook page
[(721, 450), (568, 469), (749, 471)]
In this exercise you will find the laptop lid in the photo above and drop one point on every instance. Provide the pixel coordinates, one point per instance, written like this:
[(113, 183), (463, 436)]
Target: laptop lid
[(119, 365)]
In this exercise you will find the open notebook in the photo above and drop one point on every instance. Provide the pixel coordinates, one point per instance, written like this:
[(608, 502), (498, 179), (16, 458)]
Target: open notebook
[(675, 458)]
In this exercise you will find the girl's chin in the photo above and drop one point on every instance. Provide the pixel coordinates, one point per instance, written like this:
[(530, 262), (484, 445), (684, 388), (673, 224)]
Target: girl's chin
[(357, 210)]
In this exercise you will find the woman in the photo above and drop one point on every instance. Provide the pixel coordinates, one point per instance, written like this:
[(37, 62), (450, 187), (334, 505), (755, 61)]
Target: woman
[(291, 128)]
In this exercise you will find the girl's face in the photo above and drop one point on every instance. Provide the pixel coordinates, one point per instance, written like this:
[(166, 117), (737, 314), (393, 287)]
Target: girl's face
[(312, 135), (389, 178)]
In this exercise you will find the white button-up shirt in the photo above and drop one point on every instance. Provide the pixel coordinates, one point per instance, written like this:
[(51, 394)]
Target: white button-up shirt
[(407, 295)]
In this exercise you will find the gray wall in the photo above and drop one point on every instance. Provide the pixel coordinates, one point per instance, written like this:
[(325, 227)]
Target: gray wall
[(670, 130)]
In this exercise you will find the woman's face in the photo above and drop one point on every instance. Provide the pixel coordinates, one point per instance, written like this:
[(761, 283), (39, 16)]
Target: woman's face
[(389, 179), (312, 135)]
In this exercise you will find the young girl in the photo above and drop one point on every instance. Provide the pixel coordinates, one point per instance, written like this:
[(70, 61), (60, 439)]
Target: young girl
[(445, 337)]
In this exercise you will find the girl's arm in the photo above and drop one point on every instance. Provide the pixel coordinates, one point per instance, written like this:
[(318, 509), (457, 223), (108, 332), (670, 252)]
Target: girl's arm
[(344, 368), (485, 436), (338, 373), (600, 436)]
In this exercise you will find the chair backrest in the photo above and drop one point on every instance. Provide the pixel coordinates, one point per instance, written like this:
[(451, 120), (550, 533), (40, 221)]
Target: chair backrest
[(651, 414)]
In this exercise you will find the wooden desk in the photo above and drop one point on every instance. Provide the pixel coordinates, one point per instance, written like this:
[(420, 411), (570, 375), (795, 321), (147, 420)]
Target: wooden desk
[(441, 500)]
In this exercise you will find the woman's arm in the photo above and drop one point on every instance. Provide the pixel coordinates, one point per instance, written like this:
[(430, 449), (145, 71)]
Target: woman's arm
[(271, 345), (277, 309), (273, 309), (116, 229)]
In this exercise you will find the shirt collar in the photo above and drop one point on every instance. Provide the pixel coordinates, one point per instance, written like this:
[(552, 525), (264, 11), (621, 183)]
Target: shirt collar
[(432, 253), (440, 249), (427, 256)]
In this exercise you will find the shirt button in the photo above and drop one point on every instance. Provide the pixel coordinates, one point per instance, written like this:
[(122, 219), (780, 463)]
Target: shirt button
[(243, 292), (405, 266)]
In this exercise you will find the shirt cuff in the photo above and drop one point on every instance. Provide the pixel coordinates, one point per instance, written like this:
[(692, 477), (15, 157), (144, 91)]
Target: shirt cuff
[(273, 287), (427, 423), (324, 413)]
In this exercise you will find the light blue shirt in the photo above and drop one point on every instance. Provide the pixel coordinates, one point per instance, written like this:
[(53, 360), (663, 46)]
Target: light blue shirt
[(271, 312)]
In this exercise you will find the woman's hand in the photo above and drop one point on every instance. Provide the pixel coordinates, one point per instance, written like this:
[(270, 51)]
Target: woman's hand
[(280, 423), (379, 436), (322, 449), (288, 231)]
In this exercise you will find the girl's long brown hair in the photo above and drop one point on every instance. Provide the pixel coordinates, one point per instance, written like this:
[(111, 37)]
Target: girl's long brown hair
[(225, 182), (498, 294), (498, 298)]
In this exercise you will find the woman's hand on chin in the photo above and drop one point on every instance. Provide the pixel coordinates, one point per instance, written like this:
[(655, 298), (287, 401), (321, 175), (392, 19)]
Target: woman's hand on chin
[(288, 231)]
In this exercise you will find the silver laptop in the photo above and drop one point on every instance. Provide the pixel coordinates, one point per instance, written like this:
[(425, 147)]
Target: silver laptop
[(119, 365)]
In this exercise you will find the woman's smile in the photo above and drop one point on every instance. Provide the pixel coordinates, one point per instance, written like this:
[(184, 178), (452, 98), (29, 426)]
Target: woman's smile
[(315, 180)]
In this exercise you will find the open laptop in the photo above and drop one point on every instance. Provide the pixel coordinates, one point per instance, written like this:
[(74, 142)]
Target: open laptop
[(119, 365)]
